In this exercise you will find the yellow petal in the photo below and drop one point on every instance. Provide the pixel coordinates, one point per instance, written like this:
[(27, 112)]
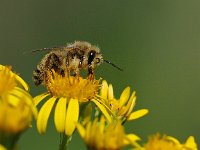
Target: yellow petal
[(21, 93), (71, 116), (137, 114), (35, 112), (87, 133), (126, 110), (60, 114), (110, 92), (1, 146), (131, 138), (44, 115), (81, 130), (190, 143), (173, 139), (1, 67), (27, 98), (103, 109), (130, 107), (40, 97), (124, 96), (22, 82), (18, 78), (104, 90), (93, 131), (102, 124)]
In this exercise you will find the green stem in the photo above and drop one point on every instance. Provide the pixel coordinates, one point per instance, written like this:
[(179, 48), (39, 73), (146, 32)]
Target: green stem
[(64, 141)]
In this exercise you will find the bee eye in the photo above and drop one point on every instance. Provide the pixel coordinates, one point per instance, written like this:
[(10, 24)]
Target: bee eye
[(91, 56)]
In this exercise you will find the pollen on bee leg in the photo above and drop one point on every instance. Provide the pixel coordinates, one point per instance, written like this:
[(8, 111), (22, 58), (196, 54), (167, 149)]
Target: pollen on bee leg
[(48, 77)]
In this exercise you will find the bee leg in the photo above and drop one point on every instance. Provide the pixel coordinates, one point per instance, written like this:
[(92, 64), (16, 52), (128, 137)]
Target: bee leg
[(68, 73), (62, 72), (67, 65), (77, 72), (90, 73)]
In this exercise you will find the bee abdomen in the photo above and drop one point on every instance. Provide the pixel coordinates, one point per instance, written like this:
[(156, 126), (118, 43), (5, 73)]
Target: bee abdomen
[(49, 62), (37, 77)]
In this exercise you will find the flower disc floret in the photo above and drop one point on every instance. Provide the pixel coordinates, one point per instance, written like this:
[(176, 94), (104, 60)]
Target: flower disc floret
[(72, 87)]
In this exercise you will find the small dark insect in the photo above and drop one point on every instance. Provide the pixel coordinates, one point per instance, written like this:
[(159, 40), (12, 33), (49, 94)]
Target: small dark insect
[(71, 58)]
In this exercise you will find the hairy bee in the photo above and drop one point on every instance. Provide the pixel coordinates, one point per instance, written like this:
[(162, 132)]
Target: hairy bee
[(71, 58)]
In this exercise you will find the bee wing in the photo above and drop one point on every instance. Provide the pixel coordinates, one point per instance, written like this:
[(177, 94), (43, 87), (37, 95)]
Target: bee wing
[(48, 49)]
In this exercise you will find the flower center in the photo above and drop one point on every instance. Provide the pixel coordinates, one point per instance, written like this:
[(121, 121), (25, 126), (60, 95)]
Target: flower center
[(72, 86), (114, 105), (7, 80)]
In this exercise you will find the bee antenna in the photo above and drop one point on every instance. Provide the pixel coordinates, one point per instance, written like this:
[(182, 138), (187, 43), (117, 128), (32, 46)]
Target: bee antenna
[(113, 65)]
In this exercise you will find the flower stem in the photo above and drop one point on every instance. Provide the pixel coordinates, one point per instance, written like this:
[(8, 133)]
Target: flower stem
[(64, 141)]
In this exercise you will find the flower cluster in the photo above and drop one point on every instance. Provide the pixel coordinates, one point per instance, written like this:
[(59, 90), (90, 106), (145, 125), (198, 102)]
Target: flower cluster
[(98, 135), (72, 99), (121, 108), (87, 105)]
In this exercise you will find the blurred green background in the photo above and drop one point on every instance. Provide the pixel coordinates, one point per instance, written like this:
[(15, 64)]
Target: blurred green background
[(156, 42)]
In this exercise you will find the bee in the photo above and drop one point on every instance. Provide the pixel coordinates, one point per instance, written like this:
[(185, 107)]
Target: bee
[(71, 58)]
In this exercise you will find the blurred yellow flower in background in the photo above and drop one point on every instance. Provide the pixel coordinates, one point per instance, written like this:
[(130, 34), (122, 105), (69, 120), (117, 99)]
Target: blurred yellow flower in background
[(121, 108), (190, 143), (101, 135), (66, 94), (158, 142), (10, 82), (16, 107), (15, 115), (2, 147)]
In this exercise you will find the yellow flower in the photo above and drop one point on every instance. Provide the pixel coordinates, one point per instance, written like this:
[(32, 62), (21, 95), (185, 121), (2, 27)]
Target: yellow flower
[(66, 94), (158, 142), (15, 115), (16, 105), (2, 147), (11, 84), (10, 81), (121, 108), (190, 143), (99, 135)]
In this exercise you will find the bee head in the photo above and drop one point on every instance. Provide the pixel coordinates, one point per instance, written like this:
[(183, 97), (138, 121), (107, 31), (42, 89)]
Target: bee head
[(94, 58)]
